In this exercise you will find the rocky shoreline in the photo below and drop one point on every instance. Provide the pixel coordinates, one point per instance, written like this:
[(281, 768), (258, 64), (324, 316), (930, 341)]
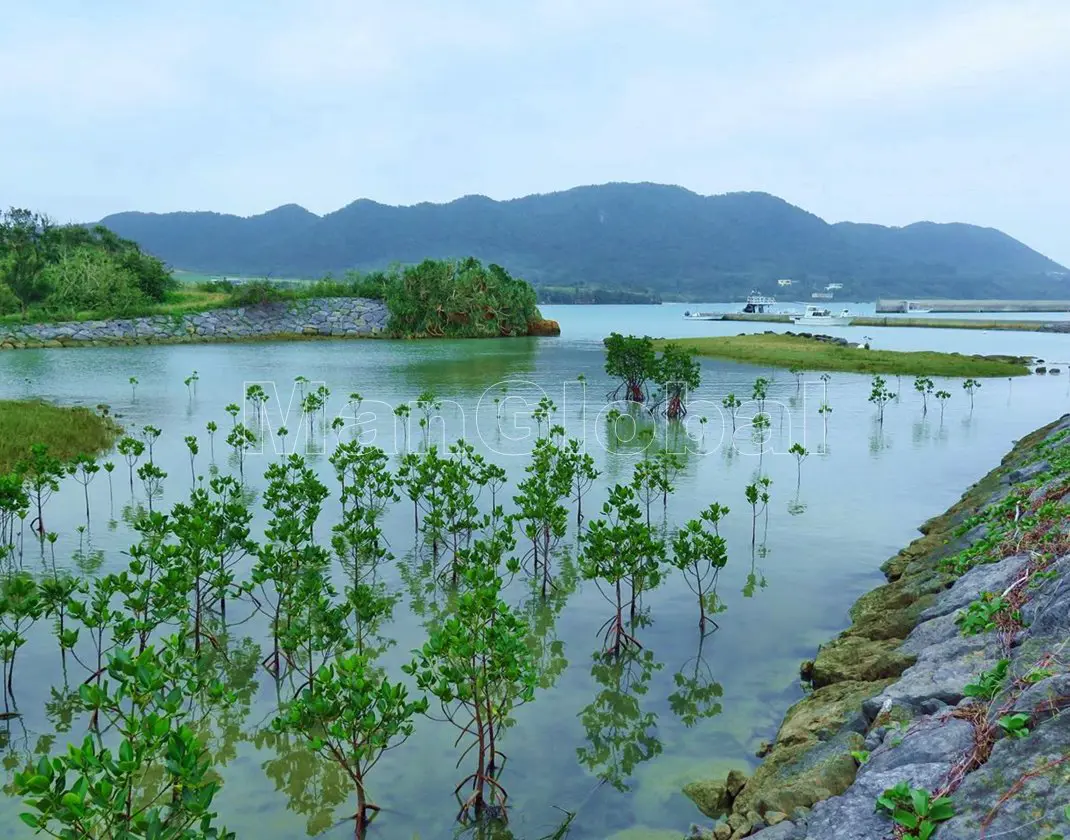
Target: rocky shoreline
[(335, 317), (952, 681)]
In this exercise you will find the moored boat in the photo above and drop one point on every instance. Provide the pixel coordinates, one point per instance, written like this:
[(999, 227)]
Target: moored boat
[(816, 316)]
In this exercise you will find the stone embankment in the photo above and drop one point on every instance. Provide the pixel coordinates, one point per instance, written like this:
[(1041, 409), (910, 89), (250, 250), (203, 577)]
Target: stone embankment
[(953, 681), (339, 317)]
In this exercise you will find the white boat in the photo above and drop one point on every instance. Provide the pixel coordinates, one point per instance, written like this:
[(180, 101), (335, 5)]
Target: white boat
[(757, 303), (915, 309), (704, 316), (815, 316)]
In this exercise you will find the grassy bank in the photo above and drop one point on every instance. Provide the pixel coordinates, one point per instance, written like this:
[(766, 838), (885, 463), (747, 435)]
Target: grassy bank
[(185, 300), (66, 431), (789, 351)]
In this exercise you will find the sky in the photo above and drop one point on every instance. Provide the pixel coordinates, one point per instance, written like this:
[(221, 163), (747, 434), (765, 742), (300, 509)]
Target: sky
[(942, 110)]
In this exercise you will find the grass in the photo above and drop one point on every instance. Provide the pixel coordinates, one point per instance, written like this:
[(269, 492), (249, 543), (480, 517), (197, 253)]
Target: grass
[(790, 351), (67, 431), (180, 301)]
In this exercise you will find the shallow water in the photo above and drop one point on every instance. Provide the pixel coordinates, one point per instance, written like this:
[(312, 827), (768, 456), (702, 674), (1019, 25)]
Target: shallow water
[(859, 500)]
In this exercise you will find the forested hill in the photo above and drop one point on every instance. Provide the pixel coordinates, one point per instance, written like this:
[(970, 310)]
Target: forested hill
[(635, 236)]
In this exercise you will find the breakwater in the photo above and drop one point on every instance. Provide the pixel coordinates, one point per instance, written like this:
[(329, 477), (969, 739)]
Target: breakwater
[(936, 323), (953, 680), (899, 305), (338, 317)]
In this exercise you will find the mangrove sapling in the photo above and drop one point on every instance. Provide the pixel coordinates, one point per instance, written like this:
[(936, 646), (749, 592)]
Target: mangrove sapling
[(631, 360), (584, 475), (943, 396), (130, 448), (969, 386), (540, 502), (427, 404), (479, 667), (211, 428), (699, 552), (800, 452), (109, 468), (90, 791), (241, 439), (151, 434), (294, 498), (924, 386), (880, 396), (193, 448), (56, 590), (757, 494), (732, 403), (620, 733), (619, 549), (189, 382), (316, 628), (152, 478), (233, 409), (84, 469), (14, 502), (677, 372), (20, 607), (352, 717), (133, 388), (402, 412), (760, 392), (257, 397), (41, 474)]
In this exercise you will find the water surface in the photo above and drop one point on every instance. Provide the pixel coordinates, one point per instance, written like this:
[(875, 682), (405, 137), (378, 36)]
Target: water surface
[(861, 496)]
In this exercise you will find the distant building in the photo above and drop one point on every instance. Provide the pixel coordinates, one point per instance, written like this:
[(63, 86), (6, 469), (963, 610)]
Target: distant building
[(784, 283), (832, 287)]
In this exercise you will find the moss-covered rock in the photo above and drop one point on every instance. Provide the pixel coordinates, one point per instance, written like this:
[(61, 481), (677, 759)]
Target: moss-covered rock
[(824, 712), (855, 658)]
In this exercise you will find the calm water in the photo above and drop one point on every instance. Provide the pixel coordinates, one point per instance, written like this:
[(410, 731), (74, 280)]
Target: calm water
[(861, 496)]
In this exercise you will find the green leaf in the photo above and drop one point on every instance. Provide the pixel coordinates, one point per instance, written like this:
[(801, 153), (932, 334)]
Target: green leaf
[(905, 818), (30, 820)]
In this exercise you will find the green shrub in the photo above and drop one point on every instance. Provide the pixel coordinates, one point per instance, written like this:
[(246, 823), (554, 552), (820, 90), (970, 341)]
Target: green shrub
[(447, 298), (257, 293)]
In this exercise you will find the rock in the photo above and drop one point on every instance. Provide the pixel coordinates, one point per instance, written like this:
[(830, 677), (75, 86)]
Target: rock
[(781, 831), (1047, 612), (930, 740), (825, 712), (799, 776), (1054, 371), (711, 798), (773, 818), (735, 782), (544, 327), (1019, 786), (989, 577), (852, 815), (1029, 471), (941, 672), (722, 832), (854, 658), (764, 748), (806, 670)]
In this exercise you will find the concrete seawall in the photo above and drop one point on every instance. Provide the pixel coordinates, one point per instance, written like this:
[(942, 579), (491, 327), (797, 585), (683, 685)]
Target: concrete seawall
[(899, 305), (339, 317)]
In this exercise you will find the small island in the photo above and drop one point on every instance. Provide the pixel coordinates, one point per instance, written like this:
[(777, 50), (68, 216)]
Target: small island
[(809, 352)]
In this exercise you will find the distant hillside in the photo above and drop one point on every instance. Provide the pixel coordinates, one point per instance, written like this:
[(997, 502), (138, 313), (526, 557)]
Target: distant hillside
[(630, 236)]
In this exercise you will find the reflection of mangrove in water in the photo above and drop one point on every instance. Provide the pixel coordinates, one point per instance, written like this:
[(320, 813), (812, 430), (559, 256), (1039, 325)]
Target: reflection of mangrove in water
[(314, 788), (541, 615), (620, 733), (697, 695), (467, 367)]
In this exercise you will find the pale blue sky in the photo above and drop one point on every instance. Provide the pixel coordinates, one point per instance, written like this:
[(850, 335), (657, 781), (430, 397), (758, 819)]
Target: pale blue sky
[(950, 110)]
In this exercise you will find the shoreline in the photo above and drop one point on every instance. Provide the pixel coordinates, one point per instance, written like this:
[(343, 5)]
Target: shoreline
[(889, 700)]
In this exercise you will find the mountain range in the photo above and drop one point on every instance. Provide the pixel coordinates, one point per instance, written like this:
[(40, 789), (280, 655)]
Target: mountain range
[(652, 237)]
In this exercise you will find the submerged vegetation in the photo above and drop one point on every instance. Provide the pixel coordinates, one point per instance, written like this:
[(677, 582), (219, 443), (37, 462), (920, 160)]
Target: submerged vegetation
[(793, 351)]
